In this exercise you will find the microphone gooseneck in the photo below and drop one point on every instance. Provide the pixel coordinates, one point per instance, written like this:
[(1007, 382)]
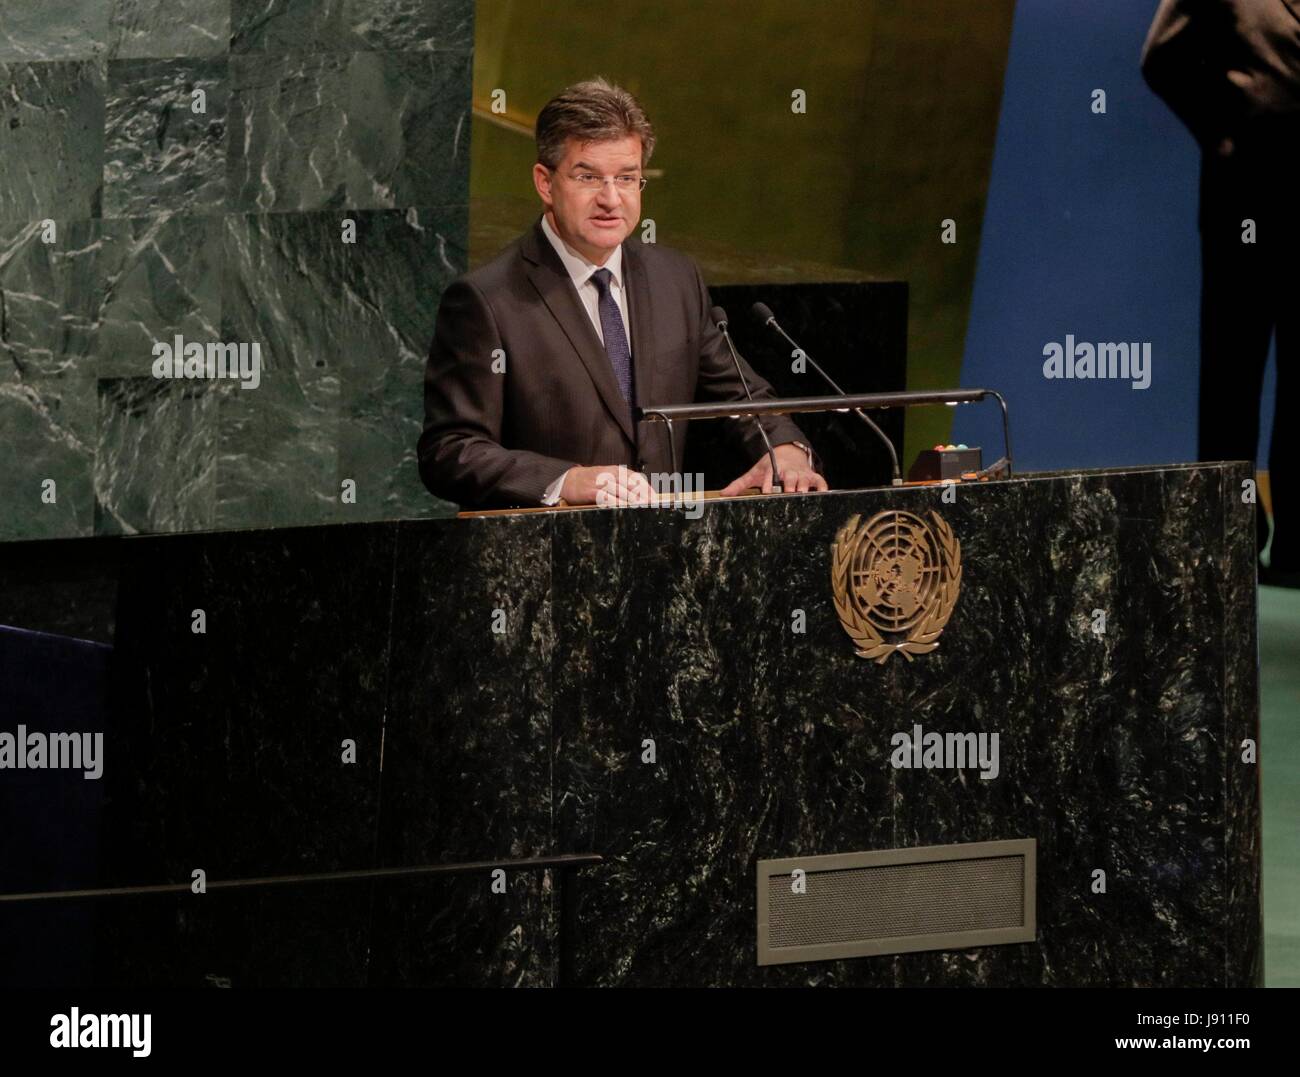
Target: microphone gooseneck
[(720, 320), (764, 316)]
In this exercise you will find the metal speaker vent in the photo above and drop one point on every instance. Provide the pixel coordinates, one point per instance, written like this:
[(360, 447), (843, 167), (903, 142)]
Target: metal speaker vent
[(895, 901)]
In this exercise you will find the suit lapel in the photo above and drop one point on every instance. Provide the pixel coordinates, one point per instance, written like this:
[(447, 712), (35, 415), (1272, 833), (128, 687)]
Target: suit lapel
[(556, 289)]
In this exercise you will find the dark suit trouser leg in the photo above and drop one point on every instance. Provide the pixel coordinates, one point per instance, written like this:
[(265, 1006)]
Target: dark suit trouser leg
[(1237, 319)]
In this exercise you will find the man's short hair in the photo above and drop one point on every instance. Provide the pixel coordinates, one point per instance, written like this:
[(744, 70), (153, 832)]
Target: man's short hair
[(591, 111)]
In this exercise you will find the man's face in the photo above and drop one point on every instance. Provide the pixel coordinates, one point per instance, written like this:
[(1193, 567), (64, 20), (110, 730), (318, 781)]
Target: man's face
[(593, 220)]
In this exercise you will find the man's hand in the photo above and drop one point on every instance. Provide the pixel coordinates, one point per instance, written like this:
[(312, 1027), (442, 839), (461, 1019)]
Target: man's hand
[(796, 475), (605, 484)]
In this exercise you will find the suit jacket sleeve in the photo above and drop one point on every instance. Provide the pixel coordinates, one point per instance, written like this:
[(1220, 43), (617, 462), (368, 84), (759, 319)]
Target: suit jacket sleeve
[(1185, 61), (461, 455), (718, 381)]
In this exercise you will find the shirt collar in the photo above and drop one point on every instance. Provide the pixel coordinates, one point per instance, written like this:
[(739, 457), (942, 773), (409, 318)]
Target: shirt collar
[(579, 269)]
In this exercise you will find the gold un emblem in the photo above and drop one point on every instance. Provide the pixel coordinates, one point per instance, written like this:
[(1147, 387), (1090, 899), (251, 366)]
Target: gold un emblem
[(895, 580)]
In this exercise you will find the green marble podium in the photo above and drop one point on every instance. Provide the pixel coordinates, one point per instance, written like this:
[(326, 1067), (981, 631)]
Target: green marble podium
[(503, 679)]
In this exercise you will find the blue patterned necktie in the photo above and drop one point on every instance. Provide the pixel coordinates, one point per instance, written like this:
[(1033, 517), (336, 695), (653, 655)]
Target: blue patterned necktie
[(611, 327)]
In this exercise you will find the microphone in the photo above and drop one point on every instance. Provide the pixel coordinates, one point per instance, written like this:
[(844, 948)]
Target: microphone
[(720, 320), (766, 318)]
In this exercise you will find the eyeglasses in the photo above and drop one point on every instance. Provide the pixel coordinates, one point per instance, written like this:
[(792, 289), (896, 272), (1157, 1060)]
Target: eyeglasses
[(626, 183)]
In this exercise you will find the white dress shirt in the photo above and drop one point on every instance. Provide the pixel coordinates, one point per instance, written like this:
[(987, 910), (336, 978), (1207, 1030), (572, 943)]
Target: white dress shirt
[(580, 271)]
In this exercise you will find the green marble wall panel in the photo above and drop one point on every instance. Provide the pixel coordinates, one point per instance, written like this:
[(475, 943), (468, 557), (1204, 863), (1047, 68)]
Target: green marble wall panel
[(128, 218), (155, 460), (351, 25), (364, 130), (344, 328), (278, 449), (114, 29), (55, 29), (176, 28), (49, 426), (279, 442), (49, 297), (161, 276), (51, 139), (382, 410), (165, 143)]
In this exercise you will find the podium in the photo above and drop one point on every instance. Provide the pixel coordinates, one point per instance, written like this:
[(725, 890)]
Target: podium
[(681, 698)]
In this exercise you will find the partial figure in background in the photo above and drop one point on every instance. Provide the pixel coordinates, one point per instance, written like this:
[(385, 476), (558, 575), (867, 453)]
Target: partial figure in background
[(1230, 70)]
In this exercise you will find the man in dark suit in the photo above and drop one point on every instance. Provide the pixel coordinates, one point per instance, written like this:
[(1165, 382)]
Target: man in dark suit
[(540, 356), (1230, 70)]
